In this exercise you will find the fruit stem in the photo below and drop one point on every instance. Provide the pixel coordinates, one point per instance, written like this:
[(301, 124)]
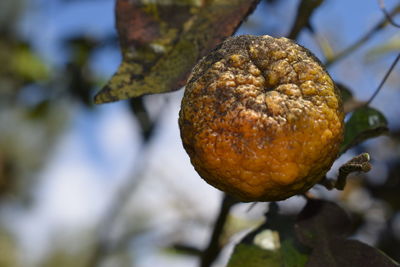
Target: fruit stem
[(359, 163)]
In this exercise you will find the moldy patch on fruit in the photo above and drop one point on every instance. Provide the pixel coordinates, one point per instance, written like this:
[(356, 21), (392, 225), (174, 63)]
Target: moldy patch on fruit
[(261, 119)]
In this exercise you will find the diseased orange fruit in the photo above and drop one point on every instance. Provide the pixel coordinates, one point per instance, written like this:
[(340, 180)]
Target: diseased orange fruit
[(261, 119)]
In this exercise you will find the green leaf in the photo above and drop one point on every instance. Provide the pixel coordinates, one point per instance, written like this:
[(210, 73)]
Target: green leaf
[(162, 40), (254, 256), (272, 244), (364, 123), (292, 256)]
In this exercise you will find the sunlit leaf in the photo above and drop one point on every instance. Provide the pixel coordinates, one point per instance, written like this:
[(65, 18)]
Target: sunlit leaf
[(254, 256), (364, 123), (162, 40)]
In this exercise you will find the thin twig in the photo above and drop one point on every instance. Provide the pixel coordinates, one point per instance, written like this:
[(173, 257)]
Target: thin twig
[(359, 163), (383, 80), (214, 247), (252, 205), (387, 14), (304, 12), (187, 249), (380, 25), (396, 60)]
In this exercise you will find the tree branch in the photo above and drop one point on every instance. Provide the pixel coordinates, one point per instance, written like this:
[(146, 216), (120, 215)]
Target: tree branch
[(304, 12), (214, 247), (380, 25), (387, 14)]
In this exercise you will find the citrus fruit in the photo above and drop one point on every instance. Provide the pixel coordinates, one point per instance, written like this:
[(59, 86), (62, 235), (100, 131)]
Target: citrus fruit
[(261, 119)]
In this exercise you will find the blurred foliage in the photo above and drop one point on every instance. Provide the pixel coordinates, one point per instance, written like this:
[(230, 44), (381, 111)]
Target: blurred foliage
[(8, 249), (36, 104), (36, 101), (28, 124)]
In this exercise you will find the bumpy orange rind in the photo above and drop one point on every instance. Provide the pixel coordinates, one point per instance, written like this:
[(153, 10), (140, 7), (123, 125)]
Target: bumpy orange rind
[(261, 119)]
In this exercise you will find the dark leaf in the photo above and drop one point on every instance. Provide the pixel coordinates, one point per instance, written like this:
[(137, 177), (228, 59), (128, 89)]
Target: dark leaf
[(324, 227), (345, 92), (349, 102), (162, 40), (348, 253), (364, 123), (319, 221)]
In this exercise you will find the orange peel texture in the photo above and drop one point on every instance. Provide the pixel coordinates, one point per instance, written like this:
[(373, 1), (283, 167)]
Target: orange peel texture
[(261, 119)]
